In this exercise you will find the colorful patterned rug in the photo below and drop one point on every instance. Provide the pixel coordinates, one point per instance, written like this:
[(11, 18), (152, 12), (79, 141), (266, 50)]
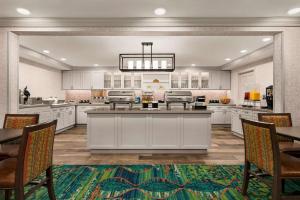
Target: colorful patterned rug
[(172, 182)]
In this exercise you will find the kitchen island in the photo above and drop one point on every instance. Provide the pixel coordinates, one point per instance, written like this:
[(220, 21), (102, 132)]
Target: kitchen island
[(138, 130)]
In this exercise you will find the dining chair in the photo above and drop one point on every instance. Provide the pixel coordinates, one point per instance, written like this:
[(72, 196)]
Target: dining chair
[(281, 120), (35, 158), (16, 121), (262, 151)]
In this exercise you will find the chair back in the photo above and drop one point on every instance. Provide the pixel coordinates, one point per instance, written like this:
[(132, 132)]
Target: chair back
[(261, 146), (36, 151), (19, 121), (280, 120)]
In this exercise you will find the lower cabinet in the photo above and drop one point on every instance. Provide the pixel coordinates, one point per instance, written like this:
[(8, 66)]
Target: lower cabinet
[(81, 116), (221, 114), (237, 114), (65, 115)]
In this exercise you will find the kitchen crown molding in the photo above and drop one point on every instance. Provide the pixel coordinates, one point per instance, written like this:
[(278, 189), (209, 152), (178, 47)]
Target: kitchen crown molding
[(151, 22)]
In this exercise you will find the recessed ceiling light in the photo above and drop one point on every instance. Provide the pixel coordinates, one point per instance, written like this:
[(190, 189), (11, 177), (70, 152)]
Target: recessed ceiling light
[(96, 65), (63, 59), (160, 11), (294, 11), (46, 51), (244, 51), (267, 39), (193, 65), (23, 11), (228, 59)]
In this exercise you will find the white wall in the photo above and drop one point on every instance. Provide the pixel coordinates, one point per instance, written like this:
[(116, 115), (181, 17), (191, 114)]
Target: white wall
[(263, 78), (41, 81)]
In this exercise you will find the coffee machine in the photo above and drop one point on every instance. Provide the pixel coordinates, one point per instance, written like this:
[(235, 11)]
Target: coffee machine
[(269, 96)]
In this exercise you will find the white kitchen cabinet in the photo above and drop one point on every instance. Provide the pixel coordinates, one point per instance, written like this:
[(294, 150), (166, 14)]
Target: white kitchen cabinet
[(86, 80), (137, 80), (97, 80), (127, 81), (133, 133), (237, 114), (65, 115), (236, 125), (225, 80), (184, 80), (77, 80), (81, 116), (45, 113), (220, 80), (67, 80), (205, 80), (174, 80), (215, 80), (221, 114), (117, 80), (108, 80), (57, 114), (69, 115), (195, 80)]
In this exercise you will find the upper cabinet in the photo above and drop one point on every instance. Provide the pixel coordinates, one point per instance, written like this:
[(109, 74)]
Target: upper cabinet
[(108, 80), (220, 80), (82, 80), (205, 80), (86, 80)]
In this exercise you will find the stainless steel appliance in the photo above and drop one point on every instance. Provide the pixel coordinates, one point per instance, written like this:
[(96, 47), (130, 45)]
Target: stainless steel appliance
[(269, 97), (183, 97), (120, 97), (200, 103)]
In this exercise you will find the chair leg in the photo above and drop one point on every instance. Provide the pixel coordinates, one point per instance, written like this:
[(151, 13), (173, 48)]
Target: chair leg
[(7, 194), (282, 185), (277, 188), (50, 187), (20, 193), (246, 178)]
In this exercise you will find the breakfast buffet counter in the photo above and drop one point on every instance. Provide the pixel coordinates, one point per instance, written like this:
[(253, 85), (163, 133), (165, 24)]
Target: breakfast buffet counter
[(160, 130)]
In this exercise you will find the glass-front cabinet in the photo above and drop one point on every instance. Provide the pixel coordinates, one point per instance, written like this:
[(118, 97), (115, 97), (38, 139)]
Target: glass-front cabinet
[(127, 80), (117, 81), (137, 81), (195, 80), (204, 80), (107, 80), (184, 80), (174, 80)]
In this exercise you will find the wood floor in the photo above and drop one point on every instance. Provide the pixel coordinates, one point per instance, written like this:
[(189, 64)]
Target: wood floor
[(70, 148)]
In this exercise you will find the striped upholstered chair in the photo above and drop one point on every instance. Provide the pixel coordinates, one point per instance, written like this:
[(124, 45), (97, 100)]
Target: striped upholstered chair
[(35, 157), (262, 151), (281, 120), (16, 121)]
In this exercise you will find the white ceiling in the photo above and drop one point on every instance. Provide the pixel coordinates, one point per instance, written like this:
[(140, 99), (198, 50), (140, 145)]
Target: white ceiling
[(85, 51), (144, 8)]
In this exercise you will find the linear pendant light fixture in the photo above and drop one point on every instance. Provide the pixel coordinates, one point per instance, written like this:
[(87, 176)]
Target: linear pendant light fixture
[(147, 62)]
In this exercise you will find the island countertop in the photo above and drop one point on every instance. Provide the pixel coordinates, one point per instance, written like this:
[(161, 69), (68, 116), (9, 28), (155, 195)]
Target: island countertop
[(147, 111)]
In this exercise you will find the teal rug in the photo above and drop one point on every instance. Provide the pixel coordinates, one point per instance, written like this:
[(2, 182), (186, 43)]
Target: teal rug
[(176, 182)]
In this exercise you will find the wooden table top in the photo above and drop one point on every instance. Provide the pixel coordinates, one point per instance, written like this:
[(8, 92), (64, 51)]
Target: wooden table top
[(292, 132), (7, 135)]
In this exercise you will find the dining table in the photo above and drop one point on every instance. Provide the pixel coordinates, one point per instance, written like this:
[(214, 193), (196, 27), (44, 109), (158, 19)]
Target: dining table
[(7, 135), (292, 132)]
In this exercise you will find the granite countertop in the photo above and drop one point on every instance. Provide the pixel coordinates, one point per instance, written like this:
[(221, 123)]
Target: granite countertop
[(33, 106), (147, 111), (46, 105), (220, 104), (253, 108)]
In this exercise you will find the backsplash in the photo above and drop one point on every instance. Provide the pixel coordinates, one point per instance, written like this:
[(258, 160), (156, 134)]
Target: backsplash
[(77, 95)]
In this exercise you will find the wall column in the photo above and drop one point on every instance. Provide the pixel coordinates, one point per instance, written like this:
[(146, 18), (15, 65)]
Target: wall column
[(9, 60), (3, 75), (291, 65)]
